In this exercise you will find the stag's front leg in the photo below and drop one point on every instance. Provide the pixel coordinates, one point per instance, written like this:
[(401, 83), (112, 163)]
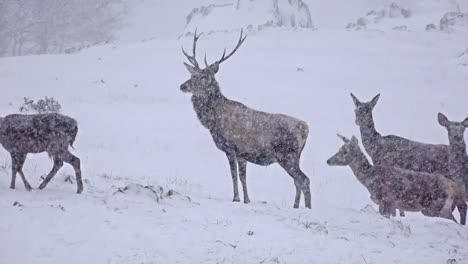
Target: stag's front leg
[(243, 177), (233, 165)]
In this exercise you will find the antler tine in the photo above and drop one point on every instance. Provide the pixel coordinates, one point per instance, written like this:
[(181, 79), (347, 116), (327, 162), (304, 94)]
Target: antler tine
[(343, 138), (206, 63), (239, 43), (193, 59)]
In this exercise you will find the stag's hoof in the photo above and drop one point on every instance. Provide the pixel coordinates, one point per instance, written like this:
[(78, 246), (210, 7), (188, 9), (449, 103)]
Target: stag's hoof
[(296, 206), (236, 199), (246, 201), (28, 187), (80, 190), (42, 186), (12, 187)]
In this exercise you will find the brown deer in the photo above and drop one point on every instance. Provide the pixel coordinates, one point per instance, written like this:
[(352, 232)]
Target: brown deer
[(395, 151), (244, 134), (51, 133), (391, 187)]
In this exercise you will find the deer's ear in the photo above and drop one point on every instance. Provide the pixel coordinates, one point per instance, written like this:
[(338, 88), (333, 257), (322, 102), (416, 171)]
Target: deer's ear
[(443, 120), (355, 100), (190, 68), (213, 68), (345, 140), (465, 122), (374, 100)]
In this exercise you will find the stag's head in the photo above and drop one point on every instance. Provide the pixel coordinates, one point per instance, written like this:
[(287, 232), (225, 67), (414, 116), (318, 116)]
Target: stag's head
[(363, 110), (346, 154), (456, 130), (202, 81)]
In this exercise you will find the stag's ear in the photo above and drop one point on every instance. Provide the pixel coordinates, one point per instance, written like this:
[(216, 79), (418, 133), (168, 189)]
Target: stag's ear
[(190, 68), (465, 122), (355, 100), (374, 100), (443, 120), (354, 140), (213, 68)]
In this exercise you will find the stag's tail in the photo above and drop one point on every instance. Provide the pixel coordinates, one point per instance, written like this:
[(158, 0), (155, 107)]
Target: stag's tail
[(304, 133), (73, 136)]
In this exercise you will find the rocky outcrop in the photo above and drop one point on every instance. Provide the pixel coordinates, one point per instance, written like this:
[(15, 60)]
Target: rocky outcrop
[(252, 15)]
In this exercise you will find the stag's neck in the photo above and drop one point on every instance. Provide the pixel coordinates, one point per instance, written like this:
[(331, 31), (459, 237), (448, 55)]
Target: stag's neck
[(208, 106), (361, 167), (369, 134)]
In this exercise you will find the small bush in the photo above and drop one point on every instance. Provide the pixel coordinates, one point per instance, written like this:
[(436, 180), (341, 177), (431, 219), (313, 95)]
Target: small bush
[(46, 105)]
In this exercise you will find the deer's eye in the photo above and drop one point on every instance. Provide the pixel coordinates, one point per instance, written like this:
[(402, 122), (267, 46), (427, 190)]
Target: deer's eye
[(204, 80)]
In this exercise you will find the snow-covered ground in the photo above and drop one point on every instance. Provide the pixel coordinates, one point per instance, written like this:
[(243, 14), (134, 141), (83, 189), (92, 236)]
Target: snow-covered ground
[(138, 128)]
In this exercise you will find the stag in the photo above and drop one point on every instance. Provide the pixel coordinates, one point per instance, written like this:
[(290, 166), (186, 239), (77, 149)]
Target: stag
[(51, 133), (395, 151), (242, 133), (458, 159), (390, 187)]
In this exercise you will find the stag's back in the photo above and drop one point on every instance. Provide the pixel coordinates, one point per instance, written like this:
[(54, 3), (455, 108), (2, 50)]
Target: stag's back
[(257, 132), (37, 133)]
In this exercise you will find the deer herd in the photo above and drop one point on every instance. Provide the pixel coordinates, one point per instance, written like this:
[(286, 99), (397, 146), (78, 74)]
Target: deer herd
[(404, 174)]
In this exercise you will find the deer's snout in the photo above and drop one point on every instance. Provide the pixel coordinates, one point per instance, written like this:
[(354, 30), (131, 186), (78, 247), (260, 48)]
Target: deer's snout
[(329, 162), (184, 87)]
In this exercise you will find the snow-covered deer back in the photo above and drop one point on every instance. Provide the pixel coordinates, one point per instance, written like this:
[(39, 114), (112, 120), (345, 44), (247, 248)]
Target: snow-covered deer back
[(52, 133), (245, 134)]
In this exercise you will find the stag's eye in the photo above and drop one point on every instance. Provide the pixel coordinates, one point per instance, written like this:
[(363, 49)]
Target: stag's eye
[(203, 79)]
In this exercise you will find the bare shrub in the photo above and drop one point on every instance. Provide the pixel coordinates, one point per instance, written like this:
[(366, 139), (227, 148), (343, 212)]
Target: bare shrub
[(41, 106)]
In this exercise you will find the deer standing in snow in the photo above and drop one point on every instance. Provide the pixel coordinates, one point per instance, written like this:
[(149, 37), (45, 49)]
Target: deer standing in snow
[(394, 188), (458, 159), (244, 134), (395, 151), (51, 133)]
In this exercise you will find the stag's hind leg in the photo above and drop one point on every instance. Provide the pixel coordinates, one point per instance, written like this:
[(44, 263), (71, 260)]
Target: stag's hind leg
[(58, 163), (75, 162), (17, 162), (302, 182)]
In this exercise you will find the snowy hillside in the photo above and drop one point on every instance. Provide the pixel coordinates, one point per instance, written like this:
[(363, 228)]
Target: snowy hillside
[(157, 190)]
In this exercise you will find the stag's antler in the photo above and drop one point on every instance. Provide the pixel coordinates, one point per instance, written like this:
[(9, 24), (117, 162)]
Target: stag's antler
[(193, 59), (224, 57)]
